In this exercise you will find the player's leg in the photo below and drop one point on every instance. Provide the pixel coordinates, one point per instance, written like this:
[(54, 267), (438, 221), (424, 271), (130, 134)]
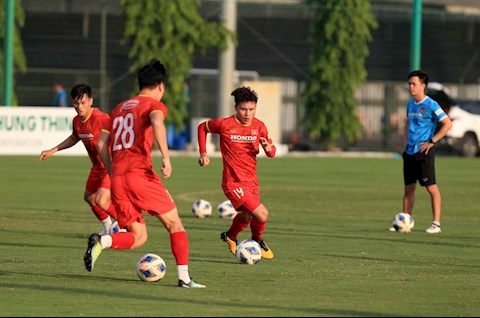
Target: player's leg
[(99, 213), (134, 237), (257, 225), (179, 246), (129, 217), (410, 175), (236, 195), (436, 200), (103, 198), (240, 222), (409, 198), (94, 183), (429, 181)]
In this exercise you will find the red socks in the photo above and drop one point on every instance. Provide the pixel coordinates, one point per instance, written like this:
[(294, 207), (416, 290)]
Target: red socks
[(257, 229), (179, 245), (111, 211), (99, 213), (122, 240), (238, 225)]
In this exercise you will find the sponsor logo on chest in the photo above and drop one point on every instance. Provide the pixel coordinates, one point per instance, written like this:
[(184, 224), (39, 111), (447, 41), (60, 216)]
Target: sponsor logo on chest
[(245, 137)]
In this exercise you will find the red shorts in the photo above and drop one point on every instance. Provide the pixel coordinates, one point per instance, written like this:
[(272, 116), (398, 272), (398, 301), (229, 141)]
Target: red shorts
[(243, 198), (138, 191), (98, 178)]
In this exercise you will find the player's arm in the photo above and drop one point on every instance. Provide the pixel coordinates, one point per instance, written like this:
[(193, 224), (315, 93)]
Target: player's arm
[(67, 143), (160, 134), (446, 125), (202, 132), (103, 144)]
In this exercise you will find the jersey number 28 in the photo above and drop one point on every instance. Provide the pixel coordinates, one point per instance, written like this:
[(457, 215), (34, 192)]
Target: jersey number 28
[(124, 133)]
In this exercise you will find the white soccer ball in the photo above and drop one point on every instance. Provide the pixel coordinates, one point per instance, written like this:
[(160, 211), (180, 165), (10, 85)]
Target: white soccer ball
[(114, 228), (249, 252), (202, 208), (151, 267), (403, 222), (226, 210)]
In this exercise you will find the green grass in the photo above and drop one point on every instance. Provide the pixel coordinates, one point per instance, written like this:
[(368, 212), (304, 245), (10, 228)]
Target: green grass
[(328, 229)]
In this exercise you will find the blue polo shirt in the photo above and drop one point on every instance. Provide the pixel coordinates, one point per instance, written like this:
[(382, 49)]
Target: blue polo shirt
[(422, 120)]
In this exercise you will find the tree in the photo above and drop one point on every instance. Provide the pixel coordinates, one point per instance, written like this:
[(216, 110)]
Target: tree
[(19, 58), (170, 30), (339, 35)]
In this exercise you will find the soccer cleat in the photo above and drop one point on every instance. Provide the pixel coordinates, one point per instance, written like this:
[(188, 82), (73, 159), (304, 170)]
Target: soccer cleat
[(433, 229), (232, 245), (266, 252), (392, 229), (192, 284), (94, 249)]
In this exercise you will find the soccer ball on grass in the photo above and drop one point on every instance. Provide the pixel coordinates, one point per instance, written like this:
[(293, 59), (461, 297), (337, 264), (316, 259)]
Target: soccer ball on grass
[(249, 252), (202, 208), (226, 210), (151, 267), (403, 222)]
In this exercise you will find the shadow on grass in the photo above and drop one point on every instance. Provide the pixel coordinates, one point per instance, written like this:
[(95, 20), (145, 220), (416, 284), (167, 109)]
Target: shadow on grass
[(122, 294)]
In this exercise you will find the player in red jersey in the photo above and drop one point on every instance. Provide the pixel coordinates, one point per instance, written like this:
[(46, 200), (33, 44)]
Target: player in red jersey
[(87, 127), (135, 123), (240, 137)]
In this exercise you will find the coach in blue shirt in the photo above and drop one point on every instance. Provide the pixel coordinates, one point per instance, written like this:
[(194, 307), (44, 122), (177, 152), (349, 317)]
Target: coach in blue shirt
[(423, 113)]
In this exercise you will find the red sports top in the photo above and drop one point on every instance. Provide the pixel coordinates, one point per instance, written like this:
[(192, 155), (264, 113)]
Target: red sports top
[(131, 134), (88, 132), (239, 145)]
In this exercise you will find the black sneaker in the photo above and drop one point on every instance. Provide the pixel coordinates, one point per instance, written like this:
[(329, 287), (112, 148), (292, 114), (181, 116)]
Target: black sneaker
[(232, 245), (94, 249)]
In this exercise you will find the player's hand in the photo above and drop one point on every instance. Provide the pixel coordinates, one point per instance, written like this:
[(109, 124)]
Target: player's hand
[(45, 154), (265, 144), (425, 147), (204, 160), (166, 168)]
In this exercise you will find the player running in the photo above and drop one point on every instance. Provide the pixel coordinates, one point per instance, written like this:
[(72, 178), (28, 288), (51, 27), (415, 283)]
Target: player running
[(240, 137), (87, 127), (135, 123)]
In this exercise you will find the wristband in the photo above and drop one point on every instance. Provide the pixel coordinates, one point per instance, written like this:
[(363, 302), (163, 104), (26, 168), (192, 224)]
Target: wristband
[(431, 141)]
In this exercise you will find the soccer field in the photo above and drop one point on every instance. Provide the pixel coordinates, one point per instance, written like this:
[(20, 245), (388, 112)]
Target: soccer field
[(328, 228)]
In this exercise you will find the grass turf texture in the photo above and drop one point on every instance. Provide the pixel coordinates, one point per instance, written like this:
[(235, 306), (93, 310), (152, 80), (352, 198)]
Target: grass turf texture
[(328, 228)]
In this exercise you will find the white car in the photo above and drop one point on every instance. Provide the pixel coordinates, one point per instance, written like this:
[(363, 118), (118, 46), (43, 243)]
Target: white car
[(464, 137)]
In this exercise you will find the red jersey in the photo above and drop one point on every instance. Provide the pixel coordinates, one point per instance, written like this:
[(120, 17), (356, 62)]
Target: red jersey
[(131, 134), (88, 132), (239, 145)]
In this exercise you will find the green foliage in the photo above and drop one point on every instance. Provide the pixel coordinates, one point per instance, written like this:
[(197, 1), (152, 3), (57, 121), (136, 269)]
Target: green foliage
[(339, 35), (170, 30), (18, 54)]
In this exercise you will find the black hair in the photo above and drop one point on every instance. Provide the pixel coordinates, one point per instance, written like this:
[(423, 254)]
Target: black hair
[(79, 90), (152, 74), (244, 94), (422, 76)]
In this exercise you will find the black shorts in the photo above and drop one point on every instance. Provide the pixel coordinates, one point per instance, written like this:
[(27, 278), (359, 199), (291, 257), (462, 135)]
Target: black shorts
[(419, 167)]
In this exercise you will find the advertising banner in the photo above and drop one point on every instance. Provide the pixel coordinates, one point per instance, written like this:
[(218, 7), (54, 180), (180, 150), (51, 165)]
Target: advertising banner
[(30, 130)]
